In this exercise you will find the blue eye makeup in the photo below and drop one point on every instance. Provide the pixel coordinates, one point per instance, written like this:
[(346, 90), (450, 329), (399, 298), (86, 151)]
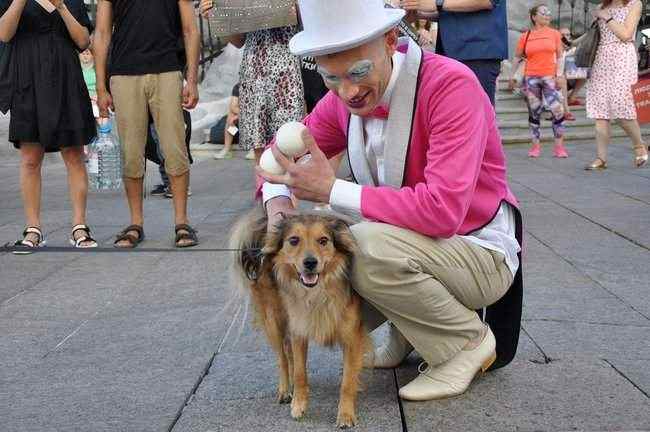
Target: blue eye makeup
[(357, 73)]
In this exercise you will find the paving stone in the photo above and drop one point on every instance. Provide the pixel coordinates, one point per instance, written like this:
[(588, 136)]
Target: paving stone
[(570, 394), (246, 383), (562, 339), (127, 373)]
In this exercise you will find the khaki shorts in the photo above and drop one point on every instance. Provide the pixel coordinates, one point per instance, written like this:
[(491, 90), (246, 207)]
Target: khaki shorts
[(134, 98)]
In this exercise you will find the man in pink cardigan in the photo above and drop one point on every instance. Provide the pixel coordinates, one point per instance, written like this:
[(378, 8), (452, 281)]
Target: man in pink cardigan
[(439, 226)]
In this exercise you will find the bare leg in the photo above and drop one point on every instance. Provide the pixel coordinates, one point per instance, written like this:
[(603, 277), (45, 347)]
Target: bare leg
[(227, 141), (77, 182), (30, 182), (632, 129), (134, 190), (602, 138)]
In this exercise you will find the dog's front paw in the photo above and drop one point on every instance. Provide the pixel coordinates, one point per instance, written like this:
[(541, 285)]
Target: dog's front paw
[(284, 397), (298, 408), (346, 420)]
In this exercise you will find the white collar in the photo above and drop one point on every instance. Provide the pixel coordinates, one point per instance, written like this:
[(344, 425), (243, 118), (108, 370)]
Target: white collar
[(398, 61)]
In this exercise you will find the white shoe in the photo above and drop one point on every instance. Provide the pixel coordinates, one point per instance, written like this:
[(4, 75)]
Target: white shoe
[(223, 154), (454, 376), (250, 155), (393, 352)]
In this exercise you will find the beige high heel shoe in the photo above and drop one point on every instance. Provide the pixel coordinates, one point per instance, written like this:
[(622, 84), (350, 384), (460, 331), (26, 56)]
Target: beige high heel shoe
[(640, 160)]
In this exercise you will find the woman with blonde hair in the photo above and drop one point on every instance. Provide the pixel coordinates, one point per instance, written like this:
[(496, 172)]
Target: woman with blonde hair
[(609, 93)]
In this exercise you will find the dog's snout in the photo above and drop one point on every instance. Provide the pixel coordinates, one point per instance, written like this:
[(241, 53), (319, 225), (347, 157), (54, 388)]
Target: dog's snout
[(310, 263)]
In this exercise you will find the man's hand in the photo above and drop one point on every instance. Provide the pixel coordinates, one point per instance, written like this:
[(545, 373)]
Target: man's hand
[(311, 179), (190, 95), (104, 103), (418, 5), (205, 7)]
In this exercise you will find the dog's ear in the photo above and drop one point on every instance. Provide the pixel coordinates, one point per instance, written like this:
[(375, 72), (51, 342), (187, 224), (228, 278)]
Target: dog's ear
[(342, 236), (274, 238)]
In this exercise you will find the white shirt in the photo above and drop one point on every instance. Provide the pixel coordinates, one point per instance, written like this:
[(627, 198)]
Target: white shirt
[(345, 197)]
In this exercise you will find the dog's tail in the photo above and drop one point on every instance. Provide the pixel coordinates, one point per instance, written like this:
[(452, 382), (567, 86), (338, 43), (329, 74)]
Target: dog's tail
[(247, 238)]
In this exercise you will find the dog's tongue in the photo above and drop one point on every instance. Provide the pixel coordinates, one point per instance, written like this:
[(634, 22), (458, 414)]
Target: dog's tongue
[(309, 279)]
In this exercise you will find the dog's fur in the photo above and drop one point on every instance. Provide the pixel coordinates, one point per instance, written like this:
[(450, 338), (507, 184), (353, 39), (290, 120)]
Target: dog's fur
[(294, 306)]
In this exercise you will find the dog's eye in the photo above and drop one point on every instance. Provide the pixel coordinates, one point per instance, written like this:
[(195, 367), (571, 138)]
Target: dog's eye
[(293, 241), (323, 241)]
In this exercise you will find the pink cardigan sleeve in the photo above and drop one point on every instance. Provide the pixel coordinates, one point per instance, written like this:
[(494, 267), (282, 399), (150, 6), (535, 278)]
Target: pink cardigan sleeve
[(456, 134), (328, 125)]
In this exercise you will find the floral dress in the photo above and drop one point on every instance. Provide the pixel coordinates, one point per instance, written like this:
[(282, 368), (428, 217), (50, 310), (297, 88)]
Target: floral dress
[(271, 89), (609, 93)]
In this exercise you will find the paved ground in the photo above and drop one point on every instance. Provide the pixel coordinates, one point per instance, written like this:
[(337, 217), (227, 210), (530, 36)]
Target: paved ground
[(142, 342)]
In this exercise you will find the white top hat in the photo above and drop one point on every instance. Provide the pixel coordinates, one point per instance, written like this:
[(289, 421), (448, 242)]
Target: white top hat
[(332, 26)]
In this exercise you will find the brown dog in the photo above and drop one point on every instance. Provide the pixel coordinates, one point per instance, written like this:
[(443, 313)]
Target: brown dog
[(298, 280)]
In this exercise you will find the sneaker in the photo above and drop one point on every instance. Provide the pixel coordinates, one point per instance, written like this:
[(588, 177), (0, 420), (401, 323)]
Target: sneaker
[(223, 154), (560, 152), (250, 155), (535, 151), (575, 102), (159, 189), (169, 194)]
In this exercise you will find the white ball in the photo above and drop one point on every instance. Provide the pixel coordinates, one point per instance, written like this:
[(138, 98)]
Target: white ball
[(289, 139), (269, 164)]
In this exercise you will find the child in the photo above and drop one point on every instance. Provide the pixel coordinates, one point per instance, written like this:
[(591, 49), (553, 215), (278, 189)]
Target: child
[(88, 69)]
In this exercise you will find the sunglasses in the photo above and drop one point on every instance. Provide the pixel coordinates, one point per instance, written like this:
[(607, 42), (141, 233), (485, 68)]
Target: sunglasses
[(544, 12)]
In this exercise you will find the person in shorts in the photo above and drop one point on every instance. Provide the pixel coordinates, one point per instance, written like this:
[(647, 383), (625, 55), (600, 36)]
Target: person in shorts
[(145, 78)]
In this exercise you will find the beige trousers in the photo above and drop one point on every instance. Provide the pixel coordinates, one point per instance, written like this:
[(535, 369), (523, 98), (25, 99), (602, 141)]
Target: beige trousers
[(161, 95), (428, 288)]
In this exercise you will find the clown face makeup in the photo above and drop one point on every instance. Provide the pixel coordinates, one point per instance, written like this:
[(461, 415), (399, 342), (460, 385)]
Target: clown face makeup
[(356, 74), (359, 76)]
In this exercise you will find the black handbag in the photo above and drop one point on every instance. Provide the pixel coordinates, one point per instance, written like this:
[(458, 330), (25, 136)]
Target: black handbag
[(586, 51)]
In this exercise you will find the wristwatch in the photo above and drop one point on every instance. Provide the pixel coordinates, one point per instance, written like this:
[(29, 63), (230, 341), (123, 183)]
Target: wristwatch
[(439, 4), (608, 20)]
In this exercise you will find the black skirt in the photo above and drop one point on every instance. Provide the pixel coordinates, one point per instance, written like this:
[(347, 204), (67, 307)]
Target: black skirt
[(43, 84)]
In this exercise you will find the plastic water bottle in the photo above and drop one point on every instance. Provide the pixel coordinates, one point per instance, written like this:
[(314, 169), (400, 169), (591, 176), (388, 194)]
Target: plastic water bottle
[(105, 160)]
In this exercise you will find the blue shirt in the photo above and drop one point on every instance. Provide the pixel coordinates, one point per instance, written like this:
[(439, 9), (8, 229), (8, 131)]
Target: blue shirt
[(481, 35)]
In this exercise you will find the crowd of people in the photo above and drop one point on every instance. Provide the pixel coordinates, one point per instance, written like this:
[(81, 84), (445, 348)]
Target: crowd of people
[(435, 214), (552, 80), (275, 87)]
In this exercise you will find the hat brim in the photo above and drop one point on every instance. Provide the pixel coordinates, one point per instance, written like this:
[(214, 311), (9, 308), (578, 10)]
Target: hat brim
[(309, 44)]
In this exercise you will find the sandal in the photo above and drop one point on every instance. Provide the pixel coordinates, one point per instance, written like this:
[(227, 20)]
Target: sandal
[(185, 232), (640, 160), (598, 164), (132, 239), (84, 238), (27, 246)]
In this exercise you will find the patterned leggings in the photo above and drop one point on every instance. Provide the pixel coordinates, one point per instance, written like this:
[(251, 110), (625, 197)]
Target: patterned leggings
[(542, 94)]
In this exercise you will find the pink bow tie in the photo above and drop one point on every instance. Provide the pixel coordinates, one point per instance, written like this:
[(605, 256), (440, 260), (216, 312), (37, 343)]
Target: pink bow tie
[(381, 112)]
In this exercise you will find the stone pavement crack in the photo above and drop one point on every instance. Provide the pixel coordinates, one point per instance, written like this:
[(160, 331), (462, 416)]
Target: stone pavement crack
[(627, 378), (547, 359), (399, 402), (584, 322), (579, 270), (205, 372)]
